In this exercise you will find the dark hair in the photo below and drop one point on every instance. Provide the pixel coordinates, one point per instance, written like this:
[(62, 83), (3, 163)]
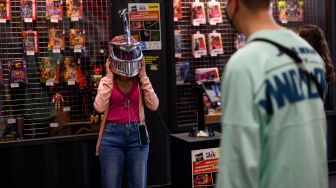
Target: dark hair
[(256, 4), (314, 35)]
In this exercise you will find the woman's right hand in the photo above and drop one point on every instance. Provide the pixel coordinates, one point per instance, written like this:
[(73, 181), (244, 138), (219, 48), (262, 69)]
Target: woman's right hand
[(108, 67)]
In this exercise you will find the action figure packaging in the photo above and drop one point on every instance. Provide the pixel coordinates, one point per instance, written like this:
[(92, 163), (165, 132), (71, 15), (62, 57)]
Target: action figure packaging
[(17, 71), (56, 40), (178, 43), (214, 12), (197, 13), (69, 69), (215, 43), (177, 10), (28, 10), (54, 10), (48, 70), (77, 39), (30, 41), (198, 45), (5, 11), (74, 9)]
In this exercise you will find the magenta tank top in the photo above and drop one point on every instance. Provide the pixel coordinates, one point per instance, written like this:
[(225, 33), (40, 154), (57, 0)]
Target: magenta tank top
[(124, 107)]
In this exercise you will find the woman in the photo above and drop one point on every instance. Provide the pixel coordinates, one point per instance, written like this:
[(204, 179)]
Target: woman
[(314, 35), (122, 99)]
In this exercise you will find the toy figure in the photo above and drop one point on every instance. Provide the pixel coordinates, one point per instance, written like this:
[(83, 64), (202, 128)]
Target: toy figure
[(57, 99)]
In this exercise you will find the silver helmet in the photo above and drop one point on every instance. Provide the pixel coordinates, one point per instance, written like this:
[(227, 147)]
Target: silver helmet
[(125, 51)]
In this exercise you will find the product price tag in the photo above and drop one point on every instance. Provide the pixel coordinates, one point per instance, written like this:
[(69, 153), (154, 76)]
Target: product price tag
[(74, 18), (66, 109), (56, 50), (54, 20), (30, 53), (2, 20), (53, 125), (29, 20), (14, 85), (78, 49), (71, 82), (50, 83), (11, 121)]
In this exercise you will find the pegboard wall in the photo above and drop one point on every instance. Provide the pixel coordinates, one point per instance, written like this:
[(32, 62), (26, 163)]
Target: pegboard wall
[(186, 99), (33, 101)]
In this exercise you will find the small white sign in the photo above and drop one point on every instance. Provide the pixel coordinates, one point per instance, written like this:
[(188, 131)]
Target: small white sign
[(10, 121), (53, 125), (74, 18), (78, 49), (50, 83), (30, 53), (66, 109), (53, 20), (14, 85), (29, 20), (56, 50), (2, 20), (71, 82)]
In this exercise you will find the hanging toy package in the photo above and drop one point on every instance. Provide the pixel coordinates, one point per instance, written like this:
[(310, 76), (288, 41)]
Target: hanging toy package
[(74, 9), (17, 71), (28, 10), (177, 10), (54, 10), (77, 39), (197, 13), (70, 70), (178, 43), (215, 43), (198, 45), (30, 42), (56, 40), (214, 12), (48, 71), (1, 76), (97, 76), (5, 11)]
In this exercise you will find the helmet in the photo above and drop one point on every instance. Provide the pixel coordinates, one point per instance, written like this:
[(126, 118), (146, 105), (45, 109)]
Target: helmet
[(125, 51)]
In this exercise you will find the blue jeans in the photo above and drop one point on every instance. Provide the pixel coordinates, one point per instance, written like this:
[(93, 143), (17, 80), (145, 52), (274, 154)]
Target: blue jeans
[(119, 147)]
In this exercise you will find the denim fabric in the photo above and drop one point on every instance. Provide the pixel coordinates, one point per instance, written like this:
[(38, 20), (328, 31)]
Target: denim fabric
[(119, 148)]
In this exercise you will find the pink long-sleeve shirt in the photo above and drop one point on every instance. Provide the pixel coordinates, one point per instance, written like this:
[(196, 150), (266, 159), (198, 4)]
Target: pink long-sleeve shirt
[(146, 92)]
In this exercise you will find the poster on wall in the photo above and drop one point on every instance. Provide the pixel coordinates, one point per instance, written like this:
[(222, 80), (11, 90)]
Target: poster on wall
[(28, 10), (145, 24), (177, 10), (204, 167), (290, 10), (54, 10), (5, 13)]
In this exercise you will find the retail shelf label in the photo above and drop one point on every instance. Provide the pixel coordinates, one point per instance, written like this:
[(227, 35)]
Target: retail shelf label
[(30, 53), (29, 20), (53, 125), (56, 50), (71, 82), (66, 109), (50, 83), (11, 121), (54, 20), (2, 20), (78, 49), (14, 85), (74, 18)]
